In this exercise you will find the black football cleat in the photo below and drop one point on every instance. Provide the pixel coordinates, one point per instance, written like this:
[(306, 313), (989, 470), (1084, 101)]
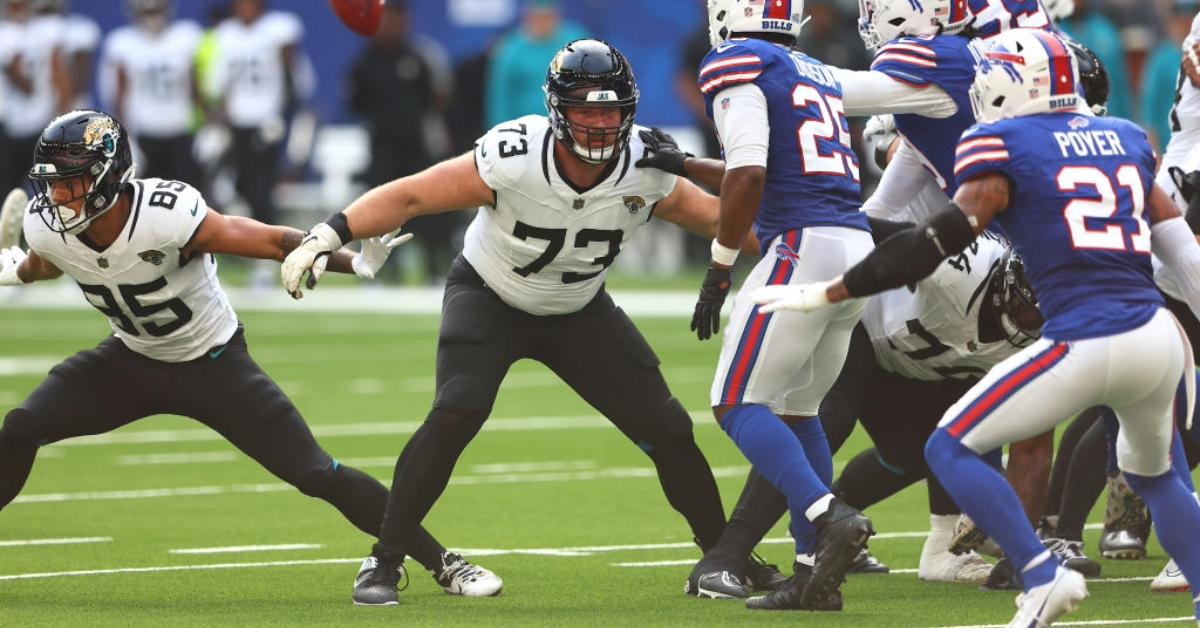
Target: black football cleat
[(789, 597), (377, 582), (762, 576), (1003, 577), (842, 532), (866, 563), (717, 585)]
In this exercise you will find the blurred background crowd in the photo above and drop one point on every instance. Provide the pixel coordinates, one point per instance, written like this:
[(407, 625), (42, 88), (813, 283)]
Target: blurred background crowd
[(273, 109)]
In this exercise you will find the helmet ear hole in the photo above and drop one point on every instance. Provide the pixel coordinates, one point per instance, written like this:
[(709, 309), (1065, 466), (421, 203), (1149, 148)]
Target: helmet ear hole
[(998, 102), (896, 21)]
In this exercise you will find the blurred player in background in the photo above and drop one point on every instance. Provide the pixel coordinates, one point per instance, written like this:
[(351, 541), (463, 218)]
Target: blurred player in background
[(80, 38), (156, 89)]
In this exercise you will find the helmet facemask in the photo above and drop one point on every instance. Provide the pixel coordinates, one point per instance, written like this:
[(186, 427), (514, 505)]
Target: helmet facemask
[(592, 144), (1015, 303)]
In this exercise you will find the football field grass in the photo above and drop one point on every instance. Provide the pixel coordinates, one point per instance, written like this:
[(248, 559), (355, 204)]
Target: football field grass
[(164, 523)]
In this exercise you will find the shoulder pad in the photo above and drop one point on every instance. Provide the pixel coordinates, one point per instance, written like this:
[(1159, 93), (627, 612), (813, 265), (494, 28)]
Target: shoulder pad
[(509, 149)]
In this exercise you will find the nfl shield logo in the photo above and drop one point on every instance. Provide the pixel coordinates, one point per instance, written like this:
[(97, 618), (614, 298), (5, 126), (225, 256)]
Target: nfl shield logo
[(102, 262)]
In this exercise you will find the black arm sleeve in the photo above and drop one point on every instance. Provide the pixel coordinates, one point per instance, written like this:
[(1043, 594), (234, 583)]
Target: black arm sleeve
[(883, 229), (912, 254)]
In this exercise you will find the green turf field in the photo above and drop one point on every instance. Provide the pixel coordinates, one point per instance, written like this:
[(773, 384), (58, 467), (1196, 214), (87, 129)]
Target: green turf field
[(548, 496)]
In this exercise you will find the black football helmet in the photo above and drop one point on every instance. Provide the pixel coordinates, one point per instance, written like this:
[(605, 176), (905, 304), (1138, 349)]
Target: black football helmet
[(1092, 76), (75, 144), (591, 73), (1014, 301)]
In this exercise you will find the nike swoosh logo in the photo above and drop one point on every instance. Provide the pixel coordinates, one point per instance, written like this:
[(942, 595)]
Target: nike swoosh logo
[(723, 47), (195, 207), (216, 353)]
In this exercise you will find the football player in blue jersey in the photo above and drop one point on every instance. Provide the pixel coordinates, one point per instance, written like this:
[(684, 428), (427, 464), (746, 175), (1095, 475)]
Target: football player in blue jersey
[(791, 174), (1077, 195)]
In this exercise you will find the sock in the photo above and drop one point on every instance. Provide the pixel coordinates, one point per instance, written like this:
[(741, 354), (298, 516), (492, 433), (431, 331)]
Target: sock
[(1062, 458), (1179, 462), (811, 433), (1085, 483), (359, 497), (1111, 427), (758, 508), (1176, 518), (777, 454), (688, 484), (989, 500), (868, 480)]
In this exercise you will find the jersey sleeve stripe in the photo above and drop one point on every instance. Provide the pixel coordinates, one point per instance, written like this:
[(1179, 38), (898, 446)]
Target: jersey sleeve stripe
[(904, 59), (979, 142), (920, 50), (728, 80), (991, 156), (744, 60)]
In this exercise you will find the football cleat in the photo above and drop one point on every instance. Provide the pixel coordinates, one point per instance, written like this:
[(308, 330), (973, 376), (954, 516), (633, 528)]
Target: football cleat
[(842, 532), (946, 567), (1003, 577), (1170, 580), (717, 585), (378, 582), (970, 537), (762, 576), (1041, 605), (866, 563), (1072, 556), (1126, 522), (788, 598), (459, 577)]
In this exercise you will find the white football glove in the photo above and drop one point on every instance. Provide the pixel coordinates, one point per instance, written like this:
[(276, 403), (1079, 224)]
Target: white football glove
[(310, 257), (803, 297), (11, 215), (375, 252), (10, 259)]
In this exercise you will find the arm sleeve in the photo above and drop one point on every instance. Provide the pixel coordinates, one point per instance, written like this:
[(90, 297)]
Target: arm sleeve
[(902, 181), (740, 115), (868, 92), (1173, 242)]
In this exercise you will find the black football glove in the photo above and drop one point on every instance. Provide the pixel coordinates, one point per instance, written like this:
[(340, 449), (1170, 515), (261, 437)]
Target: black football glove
[(706, 320), (1189, 189), (662, 152)]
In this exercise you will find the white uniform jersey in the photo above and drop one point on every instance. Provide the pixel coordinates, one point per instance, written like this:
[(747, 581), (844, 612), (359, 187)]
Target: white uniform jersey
[(933, 333), (248, 69), (158, 67), (34, 42), (1185, 113), (544, 246), (81, 34), (159, 305)]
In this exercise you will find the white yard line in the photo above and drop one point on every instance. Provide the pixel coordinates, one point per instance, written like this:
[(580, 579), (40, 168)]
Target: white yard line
[(180, 458), (239, 549), (1099, 622), (65, 541), (121, 570)]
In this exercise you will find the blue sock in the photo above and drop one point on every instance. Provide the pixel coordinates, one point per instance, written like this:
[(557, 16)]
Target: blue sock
[(1176, 518), (778, 455), (1179, 463), (1111, 427), (988, 498), (812, 437)]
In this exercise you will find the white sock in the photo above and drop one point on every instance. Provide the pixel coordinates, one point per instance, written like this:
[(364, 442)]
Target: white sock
[(818, 507), (942, 523), (806, 559)]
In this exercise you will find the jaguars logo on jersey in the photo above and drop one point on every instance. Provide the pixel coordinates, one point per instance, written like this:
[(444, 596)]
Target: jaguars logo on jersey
[(633, 203), (152, 256)]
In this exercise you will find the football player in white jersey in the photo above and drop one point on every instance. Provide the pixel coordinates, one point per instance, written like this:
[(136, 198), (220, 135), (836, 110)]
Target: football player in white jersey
[(156, 94), (140, 250), (558, 198)]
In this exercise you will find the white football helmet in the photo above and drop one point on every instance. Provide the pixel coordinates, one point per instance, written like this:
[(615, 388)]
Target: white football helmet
[(726, 17), (880, 21), (1026, 71)]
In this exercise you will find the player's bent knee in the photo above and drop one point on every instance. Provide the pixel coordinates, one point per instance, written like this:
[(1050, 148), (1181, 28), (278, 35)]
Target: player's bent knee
[(315, 482), (18, 430), (455, 426), (670, 428), (942, 448), (463, 397)]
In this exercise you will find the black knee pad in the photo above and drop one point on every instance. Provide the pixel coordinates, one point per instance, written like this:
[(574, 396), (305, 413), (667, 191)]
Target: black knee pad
[(666, 428), (455, 426), (315, 482), (19, 430)]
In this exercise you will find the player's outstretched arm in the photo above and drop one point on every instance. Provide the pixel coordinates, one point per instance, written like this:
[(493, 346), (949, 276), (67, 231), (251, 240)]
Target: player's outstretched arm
[(698, 212), (1174, 243), (450, 185), (18, 267), (906, 257)]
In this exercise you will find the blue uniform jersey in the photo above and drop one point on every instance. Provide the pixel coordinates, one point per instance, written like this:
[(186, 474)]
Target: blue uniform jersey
[(812, 171), (1075, 214), (948, 62)]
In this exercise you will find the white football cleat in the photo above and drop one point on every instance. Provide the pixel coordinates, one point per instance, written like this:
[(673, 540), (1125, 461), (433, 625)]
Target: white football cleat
[(1041, 605), (1170, 579), (938, 564), (459, 577)]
